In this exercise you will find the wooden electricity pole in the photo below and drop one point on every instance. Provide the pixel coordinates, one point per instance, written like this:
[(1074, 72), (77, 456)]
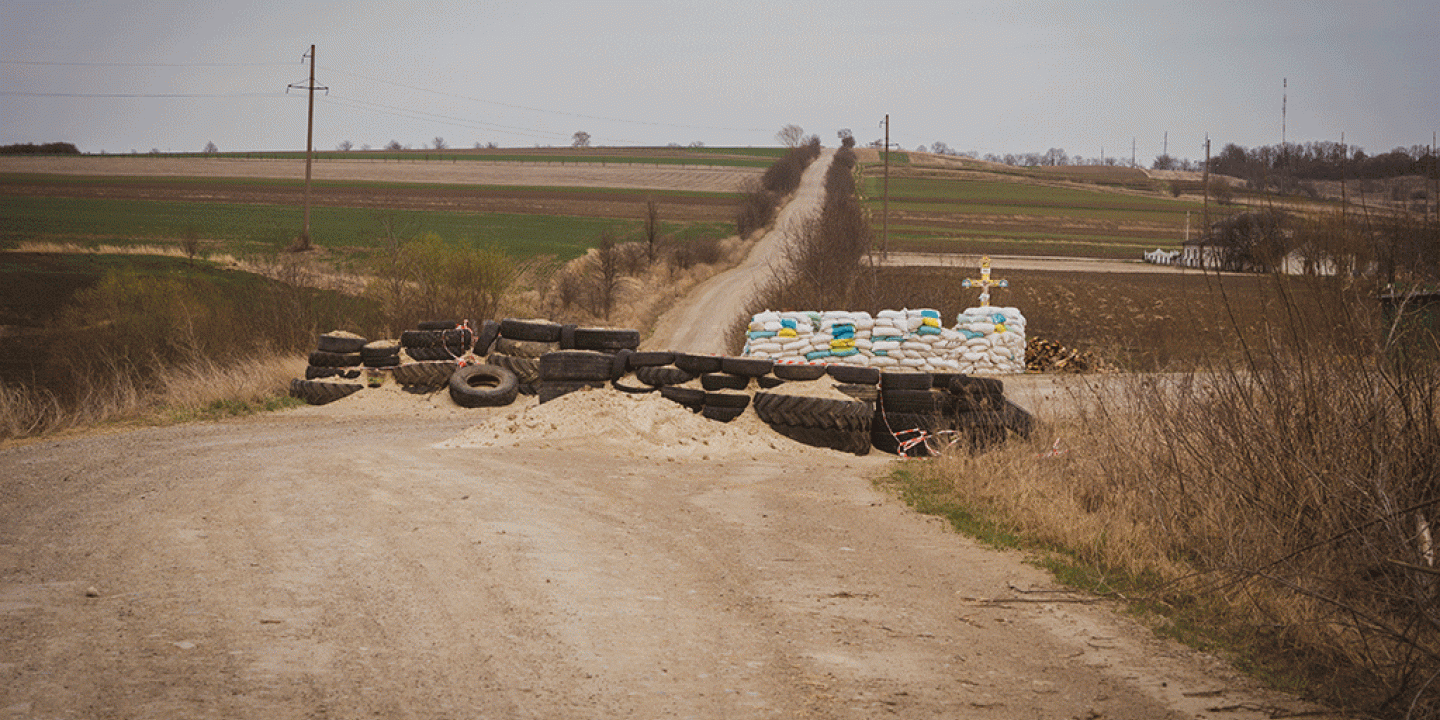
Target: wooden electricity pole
[(303, 242), (885, 198), (1205, 182)]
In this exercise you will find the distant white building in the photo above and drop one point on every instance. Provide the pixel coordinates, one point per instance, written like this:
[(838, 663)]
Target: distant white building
[(1162, 257)]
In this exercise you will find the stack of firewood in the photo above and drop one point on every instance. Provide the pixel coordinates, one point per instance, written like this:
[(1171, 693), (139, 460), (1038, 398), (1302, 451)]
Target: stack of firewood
[(1049, 356)]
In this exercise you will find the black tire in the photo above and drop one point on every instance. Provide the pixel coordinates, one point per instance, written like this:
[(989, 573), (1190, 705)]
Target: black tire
[(383, 361), (380, 349), (315, 373), (820, 422), (320, 392), (856, 442), (816, 412), (439, 324), (724, 381), (661, 375), (320, 358), (431, 354), (437, 338), (483, 386), (727, 400), (567, 336), (606, 339), (522, 348), (530, 330), (797, 371), (906, 381), (632, 389), (489, 330), (769, 382), (579, 365), (854, 374), (550, 389), (749, 367), (918, 402), (433, 374), (942, 380), (976, 395), (691, 398), (651, 358), (335, 342), (525, 370), (721, 414), (697, 364), (620, 363)]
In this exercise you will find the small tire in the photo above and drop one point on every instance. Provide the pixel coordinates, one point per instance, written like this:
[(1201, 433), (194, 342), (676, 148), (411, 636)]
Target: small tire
[(797, 371), (651, 358), (439, 324), (746, 366), (661, 375), (321, 358), (530, 330), (697, 364), (489, 330), (915, 402), (313, 372), (475, 386), (576, 365), (606, 339), (340, 342), (906, 381), (433, 374), (431, 354), (769, 382), (854, 374), (724, 381), (721, 414), (319, 392), (567, 336), (727, 400), (525, 370), (620, 363), (461, 337), (690, 398)]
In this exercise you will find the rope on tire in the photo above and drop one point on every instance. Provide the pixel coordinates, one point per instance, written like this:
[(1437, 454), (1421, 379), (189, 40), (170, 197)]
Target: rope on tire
[(917, 437)]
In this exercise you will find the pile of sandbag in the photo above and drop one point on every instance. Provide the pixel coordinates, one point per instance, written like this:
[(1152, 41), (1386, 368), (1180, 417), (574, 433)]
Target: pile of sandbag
[(992, 341)]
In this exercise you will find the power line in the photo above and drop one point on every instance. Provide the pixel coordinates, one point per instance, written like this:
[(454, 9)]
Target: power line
[(542, 110), (44, 63), (22, 93)]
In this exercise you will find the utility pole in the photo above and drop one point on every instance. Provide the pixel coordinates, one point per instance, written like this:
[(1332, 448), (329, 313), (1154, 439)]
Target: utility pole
[(1205, 182), (1132, 152), (303, 242), (1166, 147), (885, 202)]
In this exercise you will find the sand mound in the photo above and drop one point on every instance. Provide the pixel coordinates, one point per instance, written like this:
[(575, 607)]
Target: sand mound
[(645, 426)]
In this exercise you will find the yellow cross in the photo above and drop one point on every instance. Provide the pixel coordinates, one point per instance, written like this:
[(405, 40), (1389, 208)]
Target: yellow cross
[(985, 283)]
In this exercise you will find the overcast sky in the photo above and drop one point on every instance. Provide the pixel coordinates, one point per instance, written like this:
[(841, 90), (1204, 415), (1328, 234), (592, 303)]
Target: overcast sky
[(997, 76)]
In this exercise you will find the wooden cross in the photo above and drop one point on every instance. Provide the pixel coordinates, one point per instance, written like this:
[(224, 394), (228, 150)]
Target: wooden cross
[(985, 283)]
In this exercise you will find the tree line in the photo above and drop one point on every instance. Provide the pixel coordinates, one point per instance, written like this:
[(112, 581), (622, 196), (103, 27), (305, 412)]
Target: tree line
[(1322, 160), (54, 148)]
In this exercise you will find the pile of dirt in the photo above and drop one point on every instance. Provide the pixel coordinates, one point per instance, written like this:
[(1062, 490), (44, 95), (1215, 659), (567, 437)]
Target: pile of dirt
[(641, 426)]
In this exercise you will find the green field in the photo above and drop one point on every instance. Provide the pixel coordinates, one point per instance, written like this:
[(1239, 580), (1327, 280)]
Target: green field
[(726, 157), (1107, 212), (259, 228)]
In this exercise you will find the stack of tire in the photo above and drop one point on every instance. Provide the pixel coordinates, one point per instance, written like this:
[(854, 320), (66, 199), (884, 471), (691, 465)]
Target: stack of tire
[(839, 424), (551, 360), (724, 381), (337, 357), (919, 413)]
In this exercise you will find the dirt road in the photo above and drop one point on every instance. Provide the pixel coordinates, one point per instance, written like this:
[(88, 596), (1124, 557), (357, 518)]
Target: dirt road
[(700, 322), (601, 556)]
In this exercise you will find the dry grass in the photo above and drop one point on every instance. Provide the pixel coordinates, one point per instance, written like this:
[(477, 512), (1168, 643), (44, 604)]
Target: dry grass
[(196, 389)]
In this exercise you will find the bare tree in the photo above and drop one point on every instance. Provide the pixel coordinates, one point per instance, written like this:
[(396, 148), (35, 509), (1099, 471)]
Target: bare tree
[(210, 148), (581, 139), (652, 230), (439, 143), (393, 145), (791, 136), (345, 146)]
